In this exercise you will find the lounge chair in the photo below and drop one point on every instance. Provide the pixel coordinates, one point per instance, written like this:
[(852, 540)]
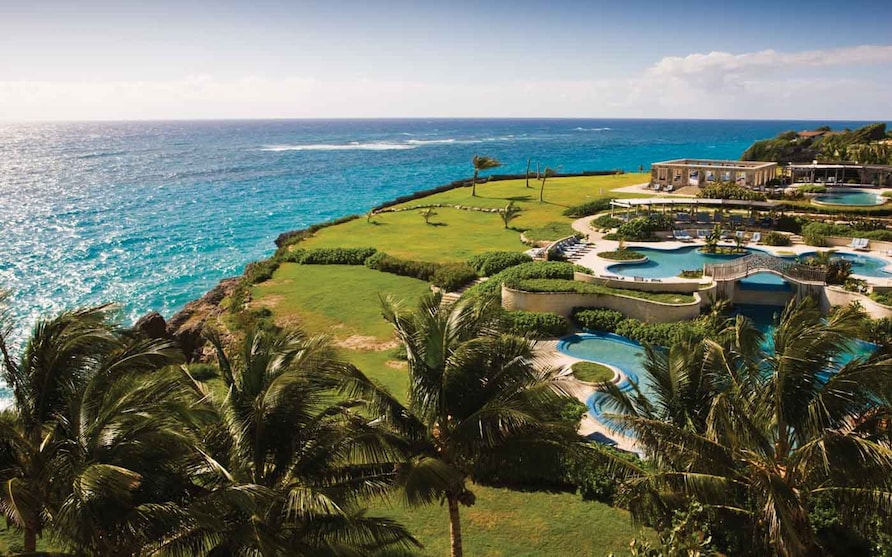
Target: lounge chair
[(863, 245), (858, 243), (639, 279), (702, 217), (656, 280), (739, 234), (681, 235), (682, 217), (702, 234), (757, 237), (670, 187)]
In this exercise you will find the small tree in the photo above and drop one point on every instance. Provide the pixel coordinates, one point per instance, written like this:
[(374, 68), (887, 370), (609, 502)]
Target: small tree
[(549, 172), (427, 214), (509, 213), (712, 239), (529, 161), (371, 214), (481, 163)]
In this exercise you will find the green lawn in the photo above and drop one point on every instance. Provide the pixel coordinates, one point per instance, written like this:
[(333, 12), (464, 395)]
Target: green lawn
[(337, 299), (383, 368), (519, 524), (563, 285), (592, 372), (455, 235)]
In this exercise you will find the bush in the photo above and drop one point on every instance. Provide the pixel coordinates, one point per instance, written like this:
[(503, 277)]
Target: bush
[(605, 221), (817, 240), (588, 208), (330, 256), (452, 276), (728, 190), (491, 262), (598, 319), (643, 229), (260, 271), (879, 331), (536, 324), (813, 188), (775, 239), (622, 255), (786, 223), (422, 270), (884, 298), (838, 271), (539, 269)]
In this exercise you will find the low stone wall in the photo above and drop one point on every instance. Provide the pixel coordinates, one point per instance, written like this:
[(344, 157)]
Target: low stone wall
[(837, 296), (641, 286), (562, 303), (762, 297)]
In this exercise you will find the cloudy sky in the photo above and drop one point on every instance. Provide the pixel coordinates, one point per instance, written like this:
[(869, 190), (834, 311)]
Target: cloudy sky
[(166, 59)]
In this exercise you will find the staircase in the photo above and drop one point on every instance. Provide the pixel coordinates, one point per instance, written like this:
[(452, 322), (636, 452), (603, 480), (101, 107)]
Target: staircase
[(450, 298)]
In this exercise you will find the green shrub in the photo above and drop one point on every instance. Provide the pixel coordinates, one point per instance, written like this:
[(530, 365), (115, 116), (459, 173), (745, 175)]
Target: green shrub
[(643, 229), (887, 193), (729, 190), (817, 240), (569, 285), (605, 221), (598, 319), (260, 271), (838, 271), (786, 223), (331, 256), (592, 372), (812, 188), (775, 239), (491, 262), (537, 269), (879, 331), (884, 298), (203, 372), (622, 255), (536, 324), (452, 276), (422, 270), (588, 208)]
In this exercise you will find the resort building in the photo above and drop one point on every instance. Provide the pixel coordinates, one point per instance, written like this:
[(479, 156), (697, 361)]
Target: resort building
[(671, 175), (839, 173)]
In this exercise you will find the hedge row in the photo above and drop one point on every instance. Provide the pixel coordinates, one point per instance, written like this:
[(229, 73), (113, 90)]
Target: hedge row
[(660, 334), (449, 276), (329, 256), (540, 269), (588, 208), (536, 324), (491, 262)]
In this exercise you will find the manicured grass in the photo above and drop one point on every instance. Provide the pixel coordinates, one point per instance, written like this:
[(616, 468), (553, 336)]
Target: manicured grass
[(522, 524), (550, 232), (592, 372), (455, 235), (382, 367), (622, 255), (563, 285), (338, 299)]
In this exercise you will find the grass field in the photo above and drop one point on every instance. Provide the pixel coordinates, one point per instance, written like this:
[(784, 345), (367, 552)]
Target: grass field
[(506, 523), (592, 372), (455, 235)]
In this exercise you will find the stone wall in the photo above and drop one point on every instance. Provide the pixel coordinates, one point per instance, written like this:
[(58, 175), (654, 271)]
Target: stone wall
[(642, 286), (837, 296), (563, 303)]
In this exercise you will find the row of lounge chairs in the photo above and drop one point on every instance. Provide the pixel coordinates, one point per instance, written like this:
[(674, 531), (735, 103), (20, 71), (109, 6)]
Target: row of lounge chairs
[(635, 279), (702, 234), (572, 249), (860, 244), (717, 218)]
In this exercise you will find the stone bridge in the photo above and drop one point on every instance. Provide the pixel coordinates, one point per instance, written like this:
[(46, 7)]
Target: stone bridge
[(759, 263)]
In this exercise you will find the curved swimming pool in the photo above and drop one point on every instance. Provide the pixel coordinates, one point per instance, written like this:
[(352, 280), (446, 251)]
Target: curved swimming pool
[(851, 197), (863, 265), (662, 263)]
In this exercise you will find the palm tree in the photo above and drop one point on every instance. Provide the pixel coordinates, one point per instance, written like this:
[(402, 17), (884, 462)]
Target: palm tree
[(788, 420), (288, 460), (548, 173), (475, 399), (509, 213), (50, 438), (427, 214), (481, 163), (527, 175)]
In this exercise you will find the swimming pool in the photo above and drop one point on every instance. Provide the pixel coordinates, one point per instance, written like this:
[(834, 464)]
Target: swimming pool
[(863, 265), (856, 198), (663, 263)]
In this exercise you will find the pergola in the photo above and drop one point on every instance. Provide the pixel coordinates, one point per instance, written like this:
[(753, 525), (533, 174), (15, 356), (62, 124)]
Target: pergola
[(698, 172), (689, 203)]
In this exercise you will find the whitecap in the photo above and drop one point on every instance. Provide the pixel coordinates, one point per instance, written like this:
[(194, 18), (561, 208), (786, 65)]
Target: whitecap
[(591, 129), (340, 147)]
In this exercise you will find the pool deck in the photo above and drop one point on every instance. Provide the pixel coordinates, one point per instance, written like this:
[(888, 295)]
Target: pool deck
[(599, 265), (548, 355)]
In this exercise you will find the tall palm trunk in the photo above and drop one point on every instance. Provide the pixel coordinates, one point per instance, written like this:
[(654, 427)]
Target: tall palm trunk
[(528, 171), (474, 184), (454, 527), (30, 542)]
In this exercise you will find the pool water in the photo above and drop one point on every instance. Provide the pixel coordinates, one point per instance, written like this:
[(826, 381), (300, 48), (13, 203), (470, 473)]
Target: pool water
[(857, 198), (863, 265), (668, 263), (766, 282)]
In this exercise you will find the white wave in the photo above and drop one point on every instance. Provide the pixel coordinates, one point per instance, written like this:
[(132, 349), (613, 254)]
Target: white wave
[(591, 129), (433, 141), (340, 147)]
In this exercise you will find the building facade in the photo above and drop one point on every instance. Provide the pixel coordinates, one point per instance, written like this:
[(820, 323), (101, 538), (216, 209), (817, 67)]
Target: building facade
[(676, 174)]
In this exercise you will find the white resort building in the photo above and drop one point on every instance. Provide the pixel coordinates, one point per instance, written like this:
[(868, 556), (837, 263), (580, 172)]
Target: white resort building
[(675, 174)]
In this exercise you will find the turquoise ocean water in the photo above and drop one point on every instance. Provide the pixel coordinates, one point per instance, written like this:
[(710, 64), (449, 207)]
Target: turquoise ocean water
[(153, 214)]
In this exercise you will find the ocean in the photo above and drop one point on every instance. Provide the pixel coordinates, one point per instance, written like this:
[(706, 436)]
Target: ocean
[(152, 214)]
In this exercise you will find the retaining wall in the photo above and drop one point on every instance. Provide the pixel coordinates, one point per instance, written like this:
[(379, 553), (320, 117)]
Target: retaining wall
[(642, 286), (563, 303)]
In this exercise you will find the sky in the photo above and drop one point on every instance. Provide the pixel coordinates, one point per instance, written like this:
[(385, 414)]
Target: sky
[(190, 59)]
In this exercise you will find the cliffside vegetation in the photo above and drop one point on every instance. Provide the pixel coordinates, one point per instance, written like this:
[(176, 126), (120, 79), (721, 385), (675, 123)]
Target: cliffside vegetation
[(871, 144)]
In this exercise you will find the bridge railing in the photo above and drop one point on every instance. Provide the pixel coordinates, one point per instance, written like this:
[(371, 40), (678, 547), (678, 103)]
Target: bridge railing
[(754, 263)]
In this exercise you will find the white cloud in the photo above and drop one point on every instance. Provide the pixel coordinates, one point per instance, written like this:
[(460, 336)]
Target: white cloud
[(713, 85)]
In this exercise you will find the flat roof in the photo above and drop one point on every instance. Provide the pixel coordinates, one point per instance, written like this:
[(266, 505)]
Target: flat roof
[(738, 165), (836, 165)]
